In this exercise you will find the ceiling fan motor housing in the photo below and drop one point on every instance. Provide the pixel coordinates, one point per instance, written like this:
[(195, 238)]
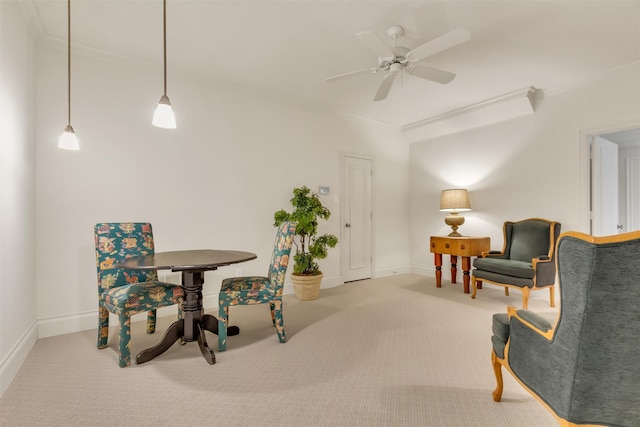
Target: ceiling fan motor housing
[(395, 67), (400, 54)]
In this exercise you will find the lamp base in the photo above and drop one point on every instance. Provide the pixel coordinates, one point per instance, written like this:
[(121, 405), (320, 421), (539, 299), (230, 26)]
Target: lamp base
[(454, 220)]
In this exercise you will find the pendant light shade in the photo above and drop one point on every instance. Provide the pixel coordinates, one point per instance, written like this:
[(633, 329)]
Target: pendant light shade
[(163, 117), (68, 139)]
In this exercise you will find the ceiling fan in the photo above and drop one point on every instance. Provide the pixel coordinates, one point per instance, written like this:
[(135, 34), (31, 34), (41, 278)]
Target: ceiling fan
[(395, 59)]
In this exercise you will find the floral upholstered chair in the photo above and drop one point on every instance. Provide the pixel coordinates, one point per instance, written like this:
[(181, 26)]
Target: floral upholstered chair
[(258, 289), (127, 292), (584, 367)]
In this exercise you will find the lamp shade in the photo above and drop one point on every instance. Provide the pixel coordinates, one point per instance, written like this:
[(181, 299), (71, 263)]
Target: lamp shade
[(455, 200), (163, 117), (68, 139)]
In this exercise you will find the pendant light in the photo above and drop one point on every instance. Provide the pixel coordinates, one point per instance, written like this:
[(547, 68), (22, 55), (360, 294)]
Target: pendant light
[(163, 117), (68, 139)]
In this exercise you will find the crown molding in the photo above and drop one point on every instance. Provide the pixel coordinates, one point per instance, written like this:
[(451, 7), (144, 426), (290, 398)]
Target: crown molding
[(592, 79), (503, 107)]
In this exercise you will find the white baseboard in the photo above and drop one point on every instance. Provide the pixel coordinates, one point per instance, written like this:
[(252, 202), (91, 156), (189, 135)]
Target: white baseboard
[(67, 324), (392, 271), (423, 270), (11, 364)]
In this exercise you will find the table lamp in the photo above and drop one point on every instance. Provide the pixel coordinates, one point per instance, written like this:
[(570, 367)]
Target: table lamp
[(454, 200)]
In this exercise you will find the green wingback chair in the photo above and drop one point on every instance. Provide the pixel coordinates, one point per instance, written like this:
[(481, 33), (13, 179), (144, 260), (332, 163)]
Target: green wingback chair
[(585, 368), (127, 292), (258, 289), (526, 261)]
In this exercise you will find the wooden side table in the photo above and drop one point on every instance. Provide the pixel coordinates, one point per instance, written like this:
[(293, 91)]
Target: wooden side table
[(465, 247)]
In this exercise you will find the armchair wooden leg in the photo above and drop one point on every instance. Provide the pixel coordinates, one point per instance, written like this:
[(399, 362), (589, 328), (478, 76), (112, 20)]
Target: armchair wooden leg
[(506, 291), (552, 296), (497, 370), (474, 284), (525, 297)]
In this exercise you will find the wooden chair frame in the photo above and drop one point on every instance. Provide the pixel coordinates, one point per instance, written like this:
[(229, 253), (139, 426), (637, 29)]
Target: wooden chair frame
[(526, 291), (512, 312)]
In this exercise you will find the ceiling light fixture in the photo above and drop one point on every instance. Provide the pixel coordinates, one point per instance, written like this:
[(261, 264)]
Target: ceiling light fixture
[(163, 117), (68, 139)]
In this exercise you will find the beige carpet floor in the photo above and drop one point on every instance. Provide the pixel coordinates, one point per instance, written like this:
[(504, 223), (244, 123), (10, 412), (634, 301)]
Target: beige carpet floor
[(394, 351)]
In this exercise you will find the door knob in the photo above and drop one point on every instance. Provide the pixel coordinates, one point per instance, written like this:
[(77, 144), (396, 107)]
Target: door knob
[(347, 225)]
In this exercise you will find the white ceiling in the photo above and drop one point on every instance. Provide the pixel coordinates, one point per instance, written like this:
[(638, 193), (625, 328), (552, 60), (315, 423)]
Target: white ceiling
[(285, 49)]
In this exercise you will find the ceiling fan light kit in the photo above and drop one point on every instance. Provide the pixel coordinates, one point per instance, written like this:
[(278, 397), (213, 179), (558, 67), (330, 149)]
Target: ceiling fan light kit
[(395, 59)]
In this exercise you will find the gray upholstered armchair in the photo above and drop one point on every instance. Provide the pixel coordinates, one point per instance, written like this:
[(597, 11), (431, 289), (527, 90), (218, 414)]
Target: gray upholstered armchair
[(526, 261), (585, 369)]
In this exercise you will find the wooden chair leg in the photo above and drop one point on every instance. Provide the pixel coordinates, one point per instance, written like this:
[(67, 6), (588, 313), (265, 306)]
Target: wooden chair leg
[(552, 296), (497, 370), (506, 291), (475, 284), (525, 297)]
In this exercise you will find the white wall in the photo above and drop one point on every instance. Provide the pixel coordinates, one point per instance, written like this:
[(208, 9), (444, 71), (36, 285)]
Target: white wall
[(532, 166), (17, 191), (214, 182)]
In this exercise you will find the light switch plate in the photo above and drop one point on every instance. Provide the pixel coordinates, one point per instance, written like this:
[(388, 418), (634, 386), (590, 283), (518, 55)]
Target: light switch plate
[(324, 190)]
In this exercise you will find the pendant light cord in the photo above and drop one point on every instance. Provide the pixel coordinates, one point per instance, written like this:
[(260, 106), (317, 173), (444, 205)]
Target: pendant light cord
[(69, 62), (164, 31)]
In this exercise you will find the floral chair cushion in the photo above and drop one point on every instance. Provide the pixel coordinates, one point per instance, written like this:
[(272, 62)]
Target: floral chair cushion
[(247, 290), (143, 296)]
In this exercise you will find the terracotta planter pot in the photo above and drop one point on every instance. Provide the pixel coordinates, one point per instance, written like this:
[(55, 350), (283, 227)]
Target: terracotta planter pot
[(307, 287)]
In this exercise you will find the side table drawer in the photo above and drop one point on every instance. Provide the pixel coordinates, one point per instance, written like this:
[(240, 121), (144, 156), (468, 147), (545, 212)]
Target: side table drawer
[(444, 245), (459, 246)]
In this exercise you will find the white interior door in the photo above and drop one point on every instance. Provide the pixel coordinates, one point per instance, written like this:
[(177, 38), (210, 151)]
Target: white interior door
[(356, 241), (604, 187)]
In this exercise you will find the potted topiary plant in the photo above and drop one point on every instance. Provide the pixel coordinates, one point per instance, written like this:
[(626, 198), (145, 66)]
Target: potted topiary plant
[(307, 210)]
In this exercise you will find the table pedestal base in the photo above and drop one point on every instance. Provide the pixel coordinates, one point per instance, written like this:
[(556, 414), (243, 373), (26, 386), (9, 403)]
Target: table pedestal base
[(176, 332), (193, 324)]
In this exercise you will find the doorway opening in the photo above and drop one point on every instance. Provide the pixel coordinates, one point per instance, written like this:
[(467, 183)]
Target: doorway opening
[(614, 182)]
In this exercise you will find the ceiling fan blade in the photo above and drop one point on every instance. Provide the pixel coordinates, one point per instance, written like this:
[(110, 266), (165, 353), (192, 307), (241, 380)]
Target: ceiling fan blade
[(385, 86), (374, 43), (351, 74), (445, 41), (433, 74)]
